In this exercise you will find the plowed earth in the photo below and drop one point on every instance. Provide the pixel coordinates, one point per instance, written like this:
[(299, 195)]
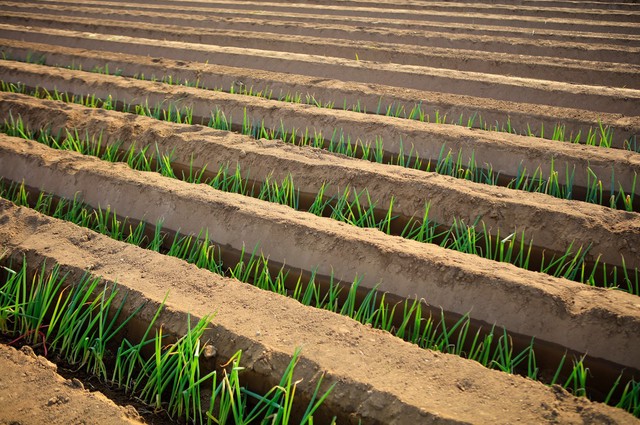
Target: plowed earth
[(528, 64), (32, 393)]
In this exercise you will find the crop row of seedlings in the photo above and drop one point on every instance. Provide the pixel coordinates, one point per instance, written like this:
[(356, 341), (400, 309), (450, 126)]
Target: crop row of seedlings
[(408, 319), (194, 46), (81, 323), (448, 162), (600, 135), (462, 169), (353, 206), (404, 25)]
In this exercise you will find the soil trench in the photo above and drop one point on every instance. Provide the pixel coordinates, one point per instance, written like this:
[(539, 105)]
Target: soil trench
[(485, 91), (436, 32), (461, 110), (513, 89), (547, 355), (555, 69), (545, 8), (368, 366), (325, 16), (444, 11), (113, 127), (451, 280)]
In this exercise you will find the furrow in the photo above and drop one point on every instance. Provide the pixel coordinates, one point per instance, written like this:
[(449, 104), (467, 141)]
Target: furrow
[(603, 323), (556, 69), (425, 138), (512, 89), (625, 20), (406, 33)]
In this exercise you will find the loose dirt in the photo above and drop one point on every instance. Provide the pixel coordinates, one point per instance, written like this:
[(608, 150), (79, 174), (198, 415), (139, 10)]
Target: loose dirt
[(32, 393), (527, 66)]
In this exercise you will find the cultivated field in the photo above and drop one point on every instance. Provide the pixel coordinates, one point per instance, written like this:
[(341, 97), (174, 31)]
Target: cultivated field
[(352, 211)]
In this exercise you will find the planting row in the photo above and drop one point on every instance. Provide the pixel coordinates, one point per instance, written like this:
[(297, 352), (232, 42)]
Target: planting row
[(470, 215), (492, 350), (82, 323), (95, 146), (329, 192), (401, 11), (578, 180), (366, 312), (308, 150), (521, 116), (576, 126), (538, 67), (458, 288), (23, 228), (412, 324), (410, 319), (425, 78), (357, 26)]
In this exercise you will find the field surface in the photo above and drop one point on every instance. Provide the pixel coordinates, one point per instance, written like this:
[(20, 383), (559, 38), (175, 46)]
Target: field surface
[(435, 201), (44, 396)]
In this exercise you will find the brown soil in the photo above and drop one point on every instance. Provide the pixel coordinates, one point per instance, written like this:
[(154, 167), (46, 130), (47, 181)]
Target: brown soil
[(283, 21), (370, 97), (569, 70), (570, 314), (379, 378), (425, 78), (531, 62), (611, 233), (32, 393), (505, 153), (433, 29)]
